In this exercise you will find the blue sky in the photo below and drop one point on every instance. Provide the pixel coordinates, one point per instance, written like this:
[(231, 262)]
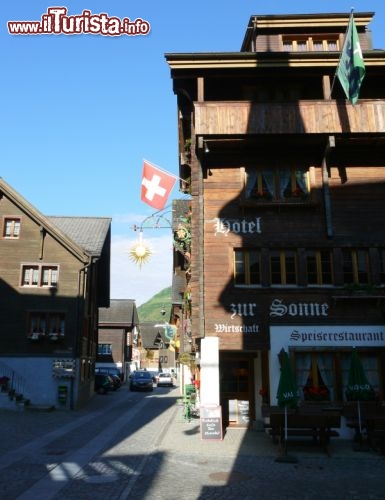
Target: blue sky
[(80, 113)]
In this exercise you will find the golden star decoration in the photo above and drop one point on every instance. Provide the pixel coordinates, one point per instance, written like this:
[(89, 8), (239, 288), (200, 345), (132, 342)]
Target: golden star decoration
[(140, 253)]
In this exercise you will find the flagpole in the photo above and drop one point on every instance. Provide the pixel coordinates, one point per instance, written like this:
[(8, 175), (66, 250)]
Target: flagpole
[(341, 52)]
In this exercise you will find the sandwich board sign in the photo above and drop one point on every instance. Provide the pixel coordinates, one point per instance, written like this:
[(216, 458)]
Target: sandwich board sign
[(211, 422)]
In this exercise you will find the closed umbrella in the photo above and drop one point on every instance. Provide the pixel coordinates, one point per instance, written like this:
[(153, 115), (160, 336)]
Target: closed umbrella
[(358, 388), (287, 393)]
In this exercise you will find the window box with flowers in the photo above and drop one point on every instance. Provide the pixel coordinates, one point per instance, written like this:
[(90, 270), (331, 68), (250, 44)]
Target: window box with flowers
[(36, 336), (262, 195), (316, 393), (56, 336), (297, 194), (264, 395)]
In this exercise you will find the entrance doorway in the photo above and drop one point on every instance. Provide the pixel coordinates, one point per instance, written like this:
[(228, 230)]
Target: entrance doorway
[(236, 374)]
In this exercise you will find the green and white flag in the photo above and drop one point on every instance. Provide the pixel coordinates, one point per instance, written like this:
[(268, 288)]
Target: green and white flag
[(351, 68)]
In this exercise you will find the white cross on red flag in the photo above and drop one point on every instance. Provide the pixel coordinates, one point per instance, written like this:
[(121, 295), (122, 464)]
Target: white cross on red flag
[(156, 185)]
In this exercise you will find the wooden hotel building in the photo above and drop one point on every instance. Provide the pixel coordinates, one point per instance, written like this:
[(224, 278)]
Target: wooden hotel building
[(287, 185)]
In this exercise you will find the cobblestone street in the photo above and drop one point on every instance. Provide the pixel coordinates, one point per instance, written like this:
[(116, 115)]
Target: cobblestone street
[(135, 445)]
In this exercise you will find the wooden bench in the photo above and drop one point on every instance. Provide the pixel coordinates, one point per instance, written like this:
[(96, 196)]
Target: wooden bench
[(375, 430), (320, 427), (372, 417)]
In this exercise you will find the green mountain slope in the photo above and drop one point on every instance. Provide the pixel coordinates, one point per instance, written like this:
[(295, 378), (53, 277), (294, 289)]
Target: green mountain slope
[(152, 309)]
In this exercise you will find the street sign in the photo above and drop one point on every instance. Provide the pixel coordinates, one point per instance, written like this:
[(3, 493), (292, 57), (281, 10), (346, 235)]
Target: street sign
[(185, 358)]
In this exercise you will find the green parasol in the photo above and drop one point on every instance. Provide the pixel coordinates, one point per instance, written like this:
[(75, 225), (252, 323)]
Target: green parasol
[(287, 395), (358, 388)]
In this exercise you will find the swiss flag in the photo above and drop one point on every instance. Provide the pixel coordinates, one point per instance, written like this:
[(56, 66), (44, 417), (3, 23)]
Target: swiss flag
[(156, 186)]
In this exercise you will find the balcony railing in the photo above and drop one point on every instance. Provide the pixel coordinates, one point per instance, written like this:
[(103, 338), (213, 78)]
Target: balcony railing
[(302, 117)]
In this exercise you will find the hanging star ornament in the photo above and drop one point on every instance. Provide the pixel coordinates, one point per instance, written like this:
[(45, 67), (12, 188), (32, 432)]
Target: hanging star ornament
[(140, 253)]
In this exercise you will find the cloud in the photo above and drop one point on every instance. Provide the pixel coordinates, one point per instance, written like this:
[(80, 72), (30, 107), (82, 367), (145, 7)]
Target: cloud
[(128, 280)]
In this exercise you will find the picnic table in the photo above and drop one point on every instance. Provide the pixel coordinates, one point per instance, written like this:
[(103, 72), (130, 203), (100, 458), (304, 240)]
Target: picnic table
[(375, 429), (317, 424), (371, 421)]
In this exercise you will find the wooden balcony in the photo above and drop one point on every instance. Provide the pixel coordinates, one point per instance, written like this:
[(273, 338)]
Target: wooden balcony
[(303, 117)]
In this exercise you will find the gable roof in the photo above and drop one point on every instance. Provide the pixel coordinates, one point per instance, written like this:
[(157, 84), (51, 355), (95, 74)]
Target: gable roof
[(88, 232), (122, 312), (84, 237), (148, 334)]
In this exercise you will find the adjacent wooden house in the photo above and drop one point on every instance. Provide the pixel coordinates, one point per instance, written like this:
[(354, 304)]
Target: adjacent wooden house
[(118, 330), (287, 184), (54, 277), (154, 348)]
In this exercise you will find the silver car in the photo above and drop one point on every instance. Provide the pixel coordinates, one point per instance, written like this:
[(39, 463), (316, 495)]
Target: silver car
[(165, 379)]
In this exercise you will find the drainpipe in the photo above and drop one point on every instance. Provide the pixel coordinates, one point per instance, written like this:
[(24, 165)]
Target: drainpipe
[(76, 351)]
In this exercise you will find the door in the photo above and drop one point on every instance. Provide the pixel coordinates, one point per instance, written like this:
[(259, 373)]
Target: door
[(236, 389)]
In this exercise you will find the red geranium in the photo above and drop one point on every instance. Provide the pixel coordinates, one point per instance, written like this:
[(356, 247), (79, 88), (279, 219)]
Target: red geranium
[(316, 393)]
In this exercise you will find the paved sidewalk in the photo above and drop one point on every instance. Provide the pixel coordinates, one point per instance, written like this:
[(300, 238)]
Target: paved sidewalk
[(138, 446), (244, 465)]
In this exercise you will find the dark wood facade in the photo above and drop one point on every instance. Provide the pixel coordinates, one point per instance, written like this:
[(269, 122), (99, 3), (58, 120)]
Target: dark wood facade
[(287, 184), (54, 275), (118, 331)]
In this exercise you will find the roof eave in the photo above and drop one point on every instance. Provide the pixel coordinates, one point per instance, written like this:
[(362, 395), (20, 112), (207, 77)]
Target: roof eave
[(43, 222)]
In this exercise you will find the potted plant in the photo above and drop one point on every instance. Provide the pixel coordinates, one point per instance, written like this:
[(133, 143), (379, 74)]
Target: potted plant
[(4, 381)]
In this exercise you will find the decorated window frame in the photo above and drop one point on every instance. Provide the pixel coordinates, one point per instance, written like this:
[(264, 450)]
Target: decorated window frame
[(283, 185)]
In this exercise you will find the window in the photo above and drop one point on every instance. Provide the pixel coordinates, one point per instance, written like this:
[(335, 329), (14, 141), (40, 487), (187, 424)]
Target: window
[(295, 43), (30, 276), (287, 45), (382, 265), (46, 324), (283, 184), (302, 46), (319, 267), (34, 275), (283, 267), (323, 376), (332, 45), (355, 266), (105, 349), (247, 267), (11, 228), (313, 267), (324, 45), (315, 376), (316, 43), (49, 275)]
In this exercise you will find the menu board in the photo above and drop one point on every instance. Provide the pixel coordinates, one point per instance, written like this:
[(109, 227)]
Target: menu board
[(211, 422), (239, 412), (243, 412)]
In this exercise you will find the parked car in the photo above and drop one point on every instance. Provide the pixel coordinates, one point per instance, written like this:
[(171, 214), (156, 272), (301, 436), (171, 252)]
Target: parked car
[(116, 381), (103, 383), (110, 370), (155, 376), (165, 379), (141, 380)]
